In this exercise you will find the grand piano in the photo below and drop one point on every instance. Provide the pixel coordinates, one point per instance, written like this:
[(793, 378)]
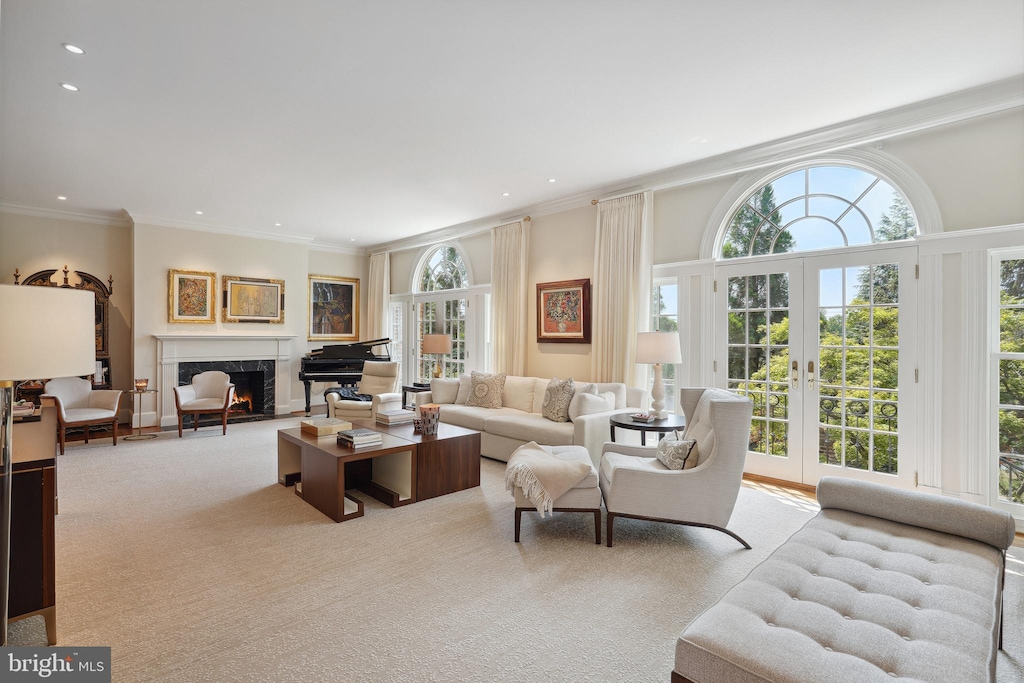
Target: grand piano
[(342, 363)]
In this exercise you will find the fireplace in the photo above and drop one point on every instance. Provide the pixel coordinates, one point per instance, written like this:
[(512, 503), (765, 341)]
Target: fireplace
[(254, 387)]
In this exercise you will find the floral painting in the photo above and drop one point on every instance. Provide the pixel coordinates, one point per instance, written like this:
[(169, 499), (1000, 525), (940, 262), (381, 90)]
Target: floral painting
[(190, 296), (333, 308), (563, 311)]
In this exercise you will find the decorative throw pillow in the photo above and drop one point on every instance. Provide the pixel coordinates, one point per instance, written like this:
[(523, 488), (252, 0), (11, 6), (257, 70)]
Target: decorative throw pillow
[(465, 384), (588, 404), (582, 389), (556, 399), (674, 452), (485, 390)]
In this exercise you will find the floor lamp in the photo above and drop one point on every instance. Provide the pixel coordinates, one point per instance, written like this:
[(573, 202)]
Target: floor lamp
[(658, 348), (46, 332)]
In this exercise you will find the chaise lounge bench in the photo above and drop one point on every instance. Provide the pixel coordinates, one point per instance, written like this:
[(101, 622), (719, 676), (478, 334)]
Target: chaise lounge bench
[(881, 584)]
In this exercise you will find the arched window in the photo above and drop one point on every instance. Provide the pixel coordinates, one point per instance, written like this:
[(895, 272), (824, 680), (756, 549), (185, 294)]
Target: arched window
[(818, 207), (441, 308)]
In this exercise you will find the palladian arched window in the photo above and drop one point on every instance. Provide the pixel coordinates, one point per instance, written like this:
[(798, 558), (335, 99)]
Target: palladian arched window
[(818, 207), (443, 274)]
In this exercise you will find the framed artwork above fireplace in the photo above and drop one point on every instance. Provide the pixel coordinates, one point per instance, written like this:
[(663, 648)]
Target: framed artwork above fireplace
[(253, 300), (191, 296)]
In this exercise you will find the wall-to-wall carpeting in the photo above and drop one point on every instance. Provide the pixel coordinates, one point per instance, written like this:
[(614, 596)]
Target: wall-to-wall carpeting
[(193, 564)]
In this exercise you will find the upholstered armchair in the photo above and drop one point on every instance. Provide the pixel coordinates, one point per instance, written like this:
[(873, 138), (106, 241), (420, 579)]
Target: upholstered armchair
[(380, 380), (78, 405), (636, 484), (210, 393)]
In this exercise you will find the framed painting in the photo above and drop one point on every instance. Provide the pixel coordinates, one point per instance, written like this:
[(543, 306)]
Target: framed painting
[(333, 308), (191, 296), (563, 311), (253, 300)]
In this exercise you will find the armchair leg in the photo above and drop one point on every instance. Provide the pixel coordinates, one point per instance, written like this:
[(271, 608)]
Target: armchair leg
[(224, 422), (597, 526), (113, 428), (608, 531), (519, 521), (195, 422), (87, 433), (179, 425), (63, 437)]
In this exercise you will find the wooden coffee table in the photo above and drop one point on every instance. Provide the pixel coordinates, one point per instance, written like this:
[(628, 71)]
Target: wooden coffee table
[(445, 463), (404, 469)]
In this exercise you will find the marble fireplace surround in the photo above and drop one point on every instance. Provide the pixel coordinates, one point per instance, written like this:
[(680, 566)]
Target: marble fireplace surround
[(173, 349)]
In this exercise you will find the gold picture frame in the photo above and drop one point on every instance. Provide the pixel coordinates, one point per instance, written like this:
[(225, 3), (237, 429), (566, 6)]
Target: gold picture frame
[(191, 296), (332, 308), (252, 300)]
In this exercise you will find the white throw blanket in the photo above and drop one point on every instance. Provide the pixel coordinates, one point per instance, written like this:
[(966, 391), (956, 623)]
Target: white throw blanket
[(542, 476)]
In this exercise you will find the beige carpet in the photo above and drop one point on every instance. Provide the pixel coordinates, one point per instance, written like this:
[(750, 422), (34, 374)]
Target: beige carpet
[(191, 561)]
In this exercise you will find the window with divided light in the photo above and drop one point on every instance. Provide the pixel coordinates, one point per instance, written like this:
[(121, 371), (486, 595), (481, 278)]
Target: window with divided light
[(819, 207), (443, 270), (1009, 362), (665, 318)]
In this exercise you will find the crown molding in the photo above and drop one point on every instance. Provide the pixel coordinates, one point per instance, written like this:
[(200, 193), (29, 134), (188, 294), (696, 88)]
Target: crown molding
[(338, 249), (113, 219), (162, 222), (939, 111)]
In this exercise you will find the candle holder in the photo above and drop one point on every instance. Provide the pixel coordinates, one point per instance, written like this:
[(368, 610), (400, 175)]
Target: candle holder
[(141, 384)]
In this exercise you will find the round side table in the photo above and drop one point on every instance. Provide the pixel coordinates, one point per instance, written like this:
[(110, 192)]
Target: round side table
[(661, 427), (139, 436)]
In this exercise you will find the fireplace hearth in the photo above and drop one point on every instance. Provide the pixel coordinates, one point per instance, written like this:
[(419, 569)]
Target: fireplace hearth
[(254, 387)]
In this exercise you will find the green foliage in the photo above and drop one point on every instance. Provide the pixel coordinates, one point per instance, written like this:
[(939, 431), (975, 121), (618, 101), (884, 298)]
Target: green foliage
[(754, 226)]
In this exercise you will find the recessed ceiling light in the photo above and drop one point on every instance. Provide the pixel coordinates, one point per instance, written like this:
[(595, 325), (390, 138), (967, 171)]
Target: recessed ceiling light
[(62, 197), (68, 86), (199, 213), (277, 225), (352, 239), (551, 180), (74, 49), (504, 194), (698, 139)]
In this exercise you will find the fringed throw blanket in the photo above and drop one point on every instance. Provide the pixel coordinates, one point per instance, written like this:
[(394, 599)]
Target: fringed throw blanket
[(542, 477)]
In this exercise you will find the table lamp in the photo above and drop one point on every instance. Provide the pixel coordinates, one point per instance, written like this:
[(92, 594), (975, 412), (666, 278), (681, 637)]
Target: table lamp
[(658, 348), (437, 344), (45, 332)]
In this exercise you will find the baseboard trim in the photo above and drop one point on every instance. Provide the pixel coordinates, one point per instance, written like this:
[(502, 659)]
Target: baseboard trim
[(761, 479)]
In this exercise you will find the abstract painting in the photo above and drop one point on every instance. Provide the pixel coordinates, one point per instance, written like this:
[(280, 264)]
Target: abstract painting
[(253, 300), (333, 308), (563, 311), (190, 296)]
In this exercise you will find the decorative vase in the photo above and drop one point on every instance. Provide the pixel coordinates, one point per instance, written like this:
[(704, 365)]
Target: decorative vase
[(561, 326), (431, 416)]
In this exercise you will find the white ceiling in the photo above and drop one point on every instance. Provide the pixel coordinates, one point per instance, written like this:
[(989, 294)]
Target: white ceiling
[(375, 121)]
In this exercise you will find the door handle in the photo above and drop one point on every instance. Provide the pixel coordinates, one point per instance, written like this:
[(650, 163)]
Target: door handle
[(796, 374), (810, 374)]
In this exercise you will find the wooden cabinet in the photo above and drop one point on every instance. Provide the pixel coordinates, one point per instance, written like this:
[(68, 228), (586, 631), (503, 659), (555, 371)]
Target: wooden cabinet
[(33, 511)]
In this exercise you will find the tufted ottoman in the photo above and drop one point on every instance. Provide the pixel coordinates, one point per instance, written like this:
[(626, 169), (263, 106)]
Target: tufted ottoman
[(881, 584), (584, 497)]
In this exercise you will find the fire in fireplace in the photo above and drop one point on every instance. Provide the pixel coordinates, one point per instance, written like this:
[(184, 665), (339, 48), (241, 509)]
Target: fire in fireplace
[(254, 387)]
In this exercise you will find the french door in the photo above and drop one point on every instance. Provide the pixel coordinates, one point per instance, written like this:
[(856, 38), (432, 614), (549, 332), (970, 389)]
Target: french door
[(823, 346)]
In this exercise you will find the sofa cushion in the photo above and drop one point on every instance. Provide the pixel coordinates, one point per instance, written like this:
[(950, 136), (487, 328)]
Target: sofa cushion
[(518, 393), (472, 417), (852, 597), (616, 388), (589, 404), (444, 390), (557, 396), (84, 414), (530, 427), (582, 389), (486, 389)]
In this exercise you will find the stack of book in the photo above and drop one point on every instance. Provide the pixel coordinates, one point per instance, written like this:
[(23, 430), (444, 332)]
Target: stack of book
[(357, 438), (395, 417)]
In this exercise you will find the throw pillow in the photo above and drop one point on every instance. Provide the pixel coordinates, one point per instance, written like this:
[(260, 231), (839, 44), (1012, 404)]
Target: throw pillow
[(582, 389), (485, 390), (556, 399), (589, 404), (674, 452), (464, 386)]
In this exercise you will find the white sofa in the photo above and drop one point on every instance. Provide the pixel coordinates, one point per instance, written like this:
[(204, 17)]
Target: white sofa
[(520, 421)]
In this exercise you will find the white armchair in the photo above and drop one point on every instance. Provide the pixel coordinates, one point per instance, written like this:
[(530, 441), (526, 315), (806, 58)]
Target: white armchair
[(78, 405), (210, 393), (380, 380), (636, 484)]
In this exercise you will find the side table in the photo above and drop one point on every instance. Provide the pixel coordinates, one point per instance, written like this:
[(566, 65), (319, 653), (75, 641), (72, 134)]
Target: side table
[(412, 389), (139, 436), (661, 427)]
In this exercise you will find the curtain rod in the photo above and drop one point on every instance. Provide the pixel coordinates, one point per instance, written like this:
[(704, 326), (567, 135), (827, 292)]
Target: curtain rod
[(627, 193)]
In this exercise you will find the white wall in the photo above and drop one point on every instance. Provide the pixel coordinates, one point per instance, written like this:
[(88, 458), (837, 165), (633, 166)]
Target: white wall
[(31, 244)]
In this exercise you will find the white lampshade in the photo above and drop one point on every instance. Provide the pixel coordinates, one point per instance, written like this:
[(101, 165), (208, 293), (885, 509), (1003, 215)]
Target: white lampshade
[(658, 347), (436, 343), (46, 332)]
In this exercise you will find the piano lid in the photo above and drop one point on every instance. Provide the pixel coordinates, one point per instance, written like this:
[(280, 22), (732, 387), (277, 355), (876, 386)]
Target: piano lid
[(358, 349)]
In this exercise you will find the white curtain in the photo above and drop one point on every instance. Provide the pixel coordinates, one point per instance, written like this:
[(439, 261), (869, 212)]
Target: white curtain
[(621, 304), (510, 246), (378, 299)]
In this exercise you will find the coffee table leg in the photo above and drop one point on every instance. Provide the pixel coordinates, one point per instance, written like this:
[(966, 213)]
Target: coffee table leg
[(643, 438)]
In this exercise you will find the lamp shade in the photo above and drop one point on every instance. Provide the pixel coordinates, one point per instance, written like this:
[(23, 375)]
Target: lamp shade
[(46, 332), (658, 347), (436, 343)]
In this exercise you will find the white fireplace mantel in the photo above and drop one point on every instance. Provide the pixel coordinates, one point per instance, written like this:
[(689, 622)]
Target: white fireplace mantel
[(185, 348)]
